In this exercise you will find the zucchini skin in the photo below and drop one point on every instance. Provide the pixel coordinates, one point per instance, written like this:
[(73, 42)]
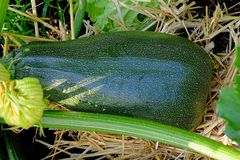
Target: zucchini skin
[(154, 76)]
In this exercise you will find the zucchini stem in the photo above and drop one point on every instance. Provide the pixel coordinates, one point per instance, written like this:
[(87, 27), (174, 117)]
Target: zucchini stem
[(141, 129)]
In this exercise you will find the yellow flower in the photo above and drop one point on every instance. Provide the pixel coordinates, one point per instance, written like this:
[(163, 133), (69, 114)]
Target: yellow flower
[(21, 102)]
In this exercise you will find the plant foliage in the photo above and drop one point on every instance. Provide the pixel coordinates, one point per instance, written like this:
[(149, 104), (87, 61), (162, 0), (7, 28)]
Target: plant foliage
[(106, 17), (229, 105)]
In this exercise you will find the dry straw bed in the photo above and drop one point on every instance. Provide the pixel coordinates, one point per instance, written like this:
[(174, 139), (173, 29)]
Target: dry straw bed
[(214, 27)]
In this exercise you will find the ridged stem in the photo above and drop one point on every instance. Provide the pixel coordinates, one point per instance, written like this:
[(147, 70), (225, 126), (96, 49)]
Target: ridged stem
[(138, 128), (141, 129)]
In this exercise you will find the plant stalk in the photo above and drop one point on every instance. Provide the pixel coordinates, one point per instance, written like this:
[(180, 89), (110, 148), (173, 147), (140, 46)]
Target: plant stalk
[(138, 128)]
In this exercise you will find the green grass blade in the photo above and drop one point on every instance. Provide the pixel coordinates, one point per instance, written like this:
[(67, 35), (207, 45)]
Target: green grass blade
[(45, 7), (3, 11), (79, 15)]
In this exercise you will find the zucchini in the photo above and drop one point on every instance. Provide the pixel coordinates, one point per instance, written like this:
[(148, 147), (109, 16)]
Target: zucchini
[(153, 76)]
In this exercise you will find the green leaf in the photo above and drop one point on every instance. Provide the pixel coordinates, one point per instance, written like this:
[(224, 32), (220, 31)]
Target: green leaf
[(238, 57), (102, 12), (229, 108), (3, 11)]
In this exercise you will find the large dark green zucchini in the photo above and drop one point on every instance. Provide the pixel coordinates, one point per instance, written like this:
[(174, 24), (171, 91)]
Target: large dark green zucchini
[(149, 75)]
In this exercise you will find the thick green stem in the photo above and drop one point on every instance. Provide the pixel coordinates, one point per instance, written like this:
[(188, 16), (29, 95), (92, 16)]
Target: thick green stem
[(139, 128)]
